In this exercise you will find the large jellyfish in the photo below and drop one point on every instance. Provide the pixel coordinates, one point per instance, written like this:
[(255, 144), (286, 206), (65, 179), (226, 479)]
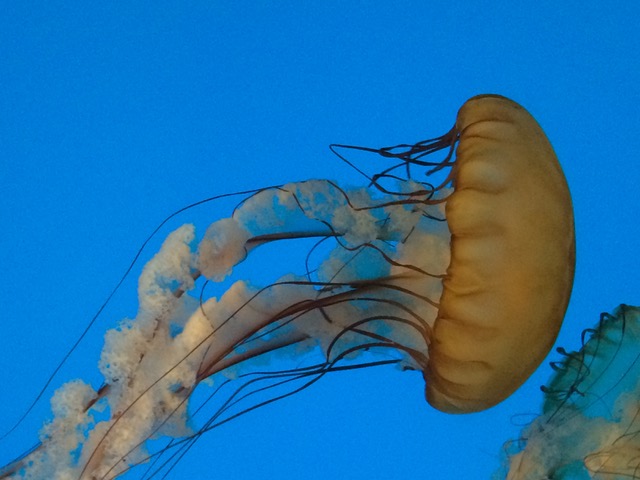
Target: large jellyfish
[(462, 266), (590, 422)]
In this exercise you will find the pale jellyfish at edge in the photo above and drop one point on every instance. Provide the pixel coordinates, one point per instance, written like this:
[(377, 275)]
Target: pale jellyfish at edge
[(463, 266), (590, 422)]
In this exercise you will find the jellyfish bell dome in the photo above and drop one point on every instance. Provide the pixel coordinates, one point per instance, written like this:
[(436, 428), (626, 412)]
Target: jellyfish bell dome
[(508, 285)]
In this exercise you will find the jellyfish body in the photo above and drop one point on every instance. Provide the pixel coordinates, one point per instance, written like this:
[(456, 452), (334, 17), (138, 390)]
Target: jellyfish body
[(590, 422), (512, 262), (474, 300)]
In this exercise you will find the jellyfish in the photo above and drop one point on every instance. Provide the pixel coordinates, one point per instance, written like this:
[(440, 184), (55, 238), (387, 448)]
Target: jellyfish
[(460, 268), (590, 421)]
